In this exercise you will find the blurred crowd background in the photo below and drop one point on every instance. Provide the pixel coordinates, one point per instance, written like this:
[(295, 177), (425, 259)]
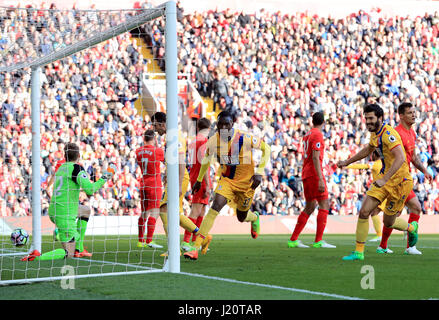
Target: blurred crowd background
[(271, 70)]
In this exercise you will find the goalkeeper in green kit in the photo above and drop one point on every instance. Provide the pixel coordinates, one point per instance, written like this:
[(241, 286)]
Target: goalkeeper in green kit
[(63, 209)]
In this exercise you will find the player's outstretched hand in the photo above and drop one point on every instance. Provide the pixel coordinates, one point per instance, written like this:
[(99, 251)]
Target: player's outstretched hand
[(256, 181), (428, 176), (196, 187), (109, 172)]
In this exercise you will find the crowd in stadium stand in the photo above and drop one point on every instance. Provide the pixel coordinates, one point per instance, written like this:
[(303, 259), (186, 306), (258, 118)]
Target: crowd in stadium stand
[(274, 70), (87, 98), (271, 70)]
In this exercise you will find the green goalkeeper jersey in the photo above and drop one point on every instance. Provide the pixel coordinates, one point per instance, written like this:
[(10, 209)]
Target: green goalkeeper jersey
[(69, 180)]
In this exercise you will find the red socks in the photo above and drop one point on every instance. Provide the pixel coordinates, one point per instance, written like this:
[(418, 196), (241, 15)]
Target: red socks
[(187, 234), (301, 222), (388, 231), (385, 236), (413, 217), (150, 229), (322, 217), (198, 224), (141, 225)]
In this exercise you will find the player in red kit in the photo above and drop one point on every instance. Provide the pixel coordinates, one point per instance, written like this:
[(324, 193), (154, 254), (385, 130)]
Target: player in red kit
[(407, 117), (314, 185), (148, 158), (200, 199)]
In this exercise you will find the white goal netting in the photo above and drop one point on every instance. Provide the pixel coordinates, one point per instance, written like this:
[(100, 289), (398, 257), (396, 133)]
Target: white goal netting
[(95, 77)]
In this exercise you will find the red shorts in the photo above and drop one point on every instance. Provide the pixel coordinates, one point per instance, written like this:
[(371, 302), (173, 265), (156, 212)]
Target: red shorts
[(199, 196), (410, 196), (310, 189), (150, 197)]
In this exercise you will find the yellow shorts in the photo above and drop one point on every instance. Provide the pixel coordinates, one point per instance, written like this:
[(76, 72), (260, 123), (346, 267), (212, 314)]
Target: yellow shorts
[(238, 198), (392, 198), (184, 188)]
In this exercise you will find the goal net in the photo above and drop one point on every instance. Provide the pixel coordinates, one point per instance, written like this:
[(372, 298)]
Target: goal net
[(90, 79)]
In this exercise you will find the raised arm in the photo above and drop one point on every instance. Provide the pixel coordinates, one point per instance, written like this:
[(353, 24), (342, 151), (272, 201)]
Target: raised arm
[(363, 153), (80, 176)]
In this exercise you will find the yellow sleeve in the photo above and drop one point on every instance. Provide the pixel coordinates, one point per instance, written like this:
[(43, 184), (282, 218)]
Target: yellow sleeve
[(391, 138), (205, 162), (265, 158), (358, 166), (181, 144), (376, 169)]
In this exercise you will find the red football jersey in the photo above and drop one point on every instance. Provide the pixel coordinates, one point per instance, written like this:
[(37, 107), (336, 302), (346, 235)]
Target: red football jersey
[(59, 164), (197, 149), (148, 158), (313, 140), (408, 137)]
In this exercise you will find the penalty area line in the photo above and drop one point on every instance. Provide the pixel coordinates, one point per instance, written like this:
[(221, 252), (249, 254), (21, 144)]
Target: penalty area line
[(330, 295)]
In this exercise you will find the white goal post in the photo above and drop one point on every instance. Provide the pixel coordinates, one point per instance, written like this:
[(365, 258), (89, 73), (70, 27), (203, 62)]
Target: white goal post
[(167, 10)]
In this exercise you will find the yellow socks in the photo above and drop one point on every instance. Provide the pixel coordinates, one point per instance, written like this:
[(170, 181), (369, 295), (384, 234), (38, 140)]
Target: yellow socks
[(164, 217), (205, 227), (251, 217), (376, 220), (187, 224), (402, 225), (361, 234)]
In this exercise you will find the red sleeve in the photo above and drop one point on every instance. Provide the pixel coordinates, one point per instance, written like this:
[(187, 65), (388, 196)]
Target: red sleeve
[(317, 142), (59, 164), (160, 154)]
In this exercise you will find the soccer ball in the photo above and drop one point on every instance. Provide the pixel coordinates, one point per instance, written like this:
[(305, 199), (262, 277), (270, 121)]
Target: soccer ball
[(19, 237)]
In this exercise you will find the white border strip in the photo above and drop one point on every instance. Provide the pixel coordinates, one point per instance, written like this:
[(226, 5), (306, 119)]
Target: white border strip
[(330, 295)]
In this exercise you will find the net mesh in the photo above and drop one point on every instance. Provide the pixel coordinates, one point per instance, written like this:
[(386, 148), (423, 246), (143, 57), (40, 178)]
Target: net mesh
[(99, 99)]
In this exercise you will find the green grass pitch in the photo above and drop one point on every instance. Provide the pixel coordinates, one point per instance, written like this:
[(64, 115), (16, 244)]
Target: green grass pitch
[(240, 268)]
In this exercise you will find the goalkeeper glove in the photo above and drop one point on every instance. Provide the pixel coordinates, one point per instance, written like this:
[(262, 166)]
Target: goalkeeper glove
[(109, 172)]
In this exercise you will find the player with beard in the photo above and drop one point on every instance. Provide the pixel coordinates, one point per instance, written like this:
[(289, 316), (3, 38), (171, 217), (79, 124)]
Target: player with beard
[(394, 185)]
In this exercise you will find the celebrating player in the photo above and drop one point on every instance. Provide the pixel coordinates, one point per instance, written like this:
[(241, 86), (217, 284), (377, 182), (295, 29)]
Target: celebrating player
[(63, 209), (375, 168), (394, 185), (407, 117), (238, 179), (314, 185), (159, 123), (200, 199), (148, 157)]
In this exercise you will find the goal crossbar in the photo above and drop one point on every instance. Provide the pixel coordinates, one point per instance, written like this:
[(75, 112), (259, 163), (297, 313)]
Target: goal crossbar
[(168, 10), (112, 32)]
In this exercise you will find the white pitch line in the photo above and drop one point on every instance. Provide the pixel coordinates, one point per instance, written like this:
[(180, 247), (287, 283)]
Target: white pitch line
[(331, 295)]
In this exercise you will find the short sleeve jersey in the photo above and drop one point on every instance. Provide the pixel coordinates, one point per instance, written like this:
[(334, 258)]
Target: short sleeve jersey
[(197, 149), (312, 141), (384, 141), (408, 137), (235, 156), (148, 158)]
